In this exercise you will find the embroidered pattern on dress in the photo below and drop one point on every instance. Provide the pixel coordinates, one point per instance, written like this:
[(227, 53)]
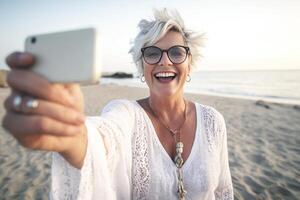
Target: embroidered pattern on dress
[(67, 189), (140, 167), (110, 142), (87, 173), (212, 126)]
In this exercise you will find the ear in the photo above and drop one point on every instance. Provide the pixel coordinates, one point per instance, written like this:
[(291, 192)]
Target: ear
[(190, 62), (142, 67)]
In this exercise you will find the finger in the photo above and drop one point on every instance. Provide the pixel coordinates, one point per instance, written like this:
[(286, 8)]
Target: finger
[(20, 60), (55, 111), (9, 101), (46, 142), (36, 85), (75, 91), (18, 124), (42, 142)]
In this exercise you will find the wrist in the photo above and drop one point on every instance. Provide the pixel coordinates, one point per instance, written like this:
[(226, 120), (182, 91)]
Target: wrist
[(76, 150)]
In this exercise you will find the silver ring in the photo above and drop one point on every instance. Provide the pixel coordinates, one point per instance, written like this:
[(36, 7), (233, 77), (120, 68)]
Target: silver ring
[(32, 103), (17, 102)]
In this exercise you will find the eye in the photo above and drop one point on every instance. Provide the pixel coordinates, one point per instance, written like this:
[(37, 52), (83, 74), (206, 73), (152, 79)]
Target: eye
[(152, 52), (177, 51)]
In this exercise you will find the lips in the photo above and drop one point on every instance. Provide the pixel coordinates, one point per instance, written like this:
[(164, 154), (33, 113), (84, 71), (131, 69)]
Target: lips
[(165, 77)]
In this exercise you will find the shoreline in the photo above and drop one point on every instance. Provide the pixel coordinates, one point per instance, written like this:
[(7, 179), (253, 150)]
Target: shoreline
[(253, 98), (212, 94)]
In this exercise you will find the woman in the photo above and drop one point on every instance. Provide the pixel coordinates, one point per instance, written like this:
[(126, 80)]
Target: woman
[(160, 147)]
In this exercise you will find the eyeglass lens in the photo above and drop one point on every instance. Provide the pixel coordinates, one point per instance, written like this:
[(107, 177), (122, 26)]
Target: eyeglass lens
[(176, 54)]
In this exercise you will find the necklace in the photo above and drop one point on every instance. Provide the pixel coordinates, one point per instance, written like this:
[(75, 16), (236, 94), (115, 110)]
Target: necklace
[(179, 149)]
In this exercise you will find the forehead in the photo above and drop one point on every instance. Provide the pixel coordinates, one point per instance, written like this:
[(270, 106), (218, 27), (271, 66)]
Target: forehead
[(170, 39)]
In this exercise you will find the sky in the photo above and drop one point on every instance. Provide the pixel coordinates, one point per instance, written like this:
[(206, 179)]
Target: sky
[(241, 34)]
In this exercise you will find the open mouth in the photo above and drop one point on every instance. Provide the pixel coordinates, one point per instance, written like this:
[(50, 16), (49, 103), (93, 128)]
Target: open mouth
[(165, 77)]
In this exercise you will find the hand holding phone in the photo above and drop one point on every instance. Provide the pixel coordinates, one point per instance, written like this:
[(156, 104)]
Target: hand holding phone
[(42, 115)]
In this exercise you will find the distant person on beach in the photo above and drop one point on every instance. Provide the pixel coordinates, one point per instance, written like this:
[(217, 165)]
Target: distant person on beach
[(161, 147)]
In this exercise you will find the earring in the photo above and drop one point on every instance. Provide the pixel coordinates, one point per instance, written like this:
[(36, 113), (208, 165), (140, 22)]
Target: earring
[(188, 78), (142, 78)]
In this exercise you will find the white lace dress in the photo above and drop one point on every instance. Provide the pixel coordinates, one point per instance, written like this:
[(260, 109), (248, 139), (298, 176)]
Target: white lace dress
[(125, 159)]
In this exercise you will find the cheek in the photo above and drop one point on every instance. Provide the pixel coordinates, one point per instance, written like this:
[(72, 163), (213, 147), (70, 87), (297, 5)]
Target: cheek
[(184, 69), (147, 73)]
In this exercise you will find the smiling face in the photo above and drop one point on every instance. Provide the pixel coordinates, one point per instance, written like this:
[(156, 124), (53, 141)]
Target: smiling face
[(166, 78)]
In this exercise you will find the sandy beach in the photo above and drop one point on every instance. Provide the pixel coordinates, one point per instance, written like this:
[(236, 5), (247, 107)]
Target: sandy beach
[(263, 144)]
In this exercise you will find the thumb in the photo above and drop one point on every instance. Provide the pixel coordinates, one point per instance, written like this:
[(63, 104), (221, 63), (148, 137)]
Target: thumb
[(20, 60)]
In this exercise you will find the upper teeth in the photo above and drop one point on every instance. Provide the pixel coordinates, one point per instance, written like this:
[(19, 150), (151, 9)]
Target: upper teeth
[(165, 74)]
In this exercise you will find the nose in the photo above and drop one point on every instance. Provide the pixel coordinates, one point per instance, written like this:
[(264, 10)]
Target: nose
[(165, 61)]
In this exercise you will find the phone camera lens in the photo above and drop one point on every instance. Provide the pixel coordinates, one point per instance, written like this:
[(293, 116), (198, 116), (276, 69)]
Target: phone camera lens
[(33, 40)]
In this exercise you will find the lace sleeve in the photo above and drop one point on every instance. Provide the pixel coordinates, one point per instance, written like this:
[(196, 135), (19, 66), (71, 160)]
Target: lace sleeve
[(105, 173), (224, 190), (71, 183)]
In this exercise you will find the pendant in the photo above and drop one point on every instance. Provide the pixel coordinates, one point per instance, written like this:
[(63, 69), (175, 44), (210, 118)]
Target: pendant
[(178, 158), (181, 191), (179, 162)]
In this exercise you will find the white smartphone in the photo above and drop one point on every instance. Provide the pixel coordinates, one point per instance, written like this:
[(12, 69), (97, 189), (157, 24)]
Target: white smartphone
[(67, 57)]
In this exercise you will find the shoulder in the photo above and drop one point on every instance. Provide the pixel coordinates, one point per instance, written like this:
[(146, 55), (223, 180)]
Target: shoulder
[(119, 105), (120, 110), (211, 115), (119, 116), (213, 124)]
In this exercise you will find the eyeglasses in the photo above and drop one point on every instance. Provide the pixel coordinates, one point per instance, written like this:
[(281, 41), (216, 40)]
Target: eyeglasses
[(177, 54)]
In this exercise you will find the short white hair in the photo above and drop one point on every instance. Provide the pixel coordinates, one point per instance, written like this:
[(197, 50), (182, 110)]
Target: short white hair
[(152, 31)]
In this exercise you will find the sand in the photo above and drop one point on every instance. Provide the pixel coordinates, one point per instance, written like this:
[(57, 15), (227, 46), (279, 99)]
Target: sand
[(263, 145)]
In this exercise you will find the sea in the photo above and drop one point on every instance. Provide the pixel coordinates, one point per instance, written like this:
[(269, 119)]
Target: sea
[(281, 86)]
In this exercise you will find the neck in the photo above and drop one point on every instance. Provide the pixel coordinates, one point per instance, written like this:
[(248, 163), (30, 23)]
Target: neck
[(170, 109)]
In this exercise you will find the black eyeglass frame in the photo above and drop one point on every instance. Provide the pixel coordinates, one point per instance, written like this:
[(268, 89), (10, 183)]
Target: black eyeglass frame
[(187, 52)]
